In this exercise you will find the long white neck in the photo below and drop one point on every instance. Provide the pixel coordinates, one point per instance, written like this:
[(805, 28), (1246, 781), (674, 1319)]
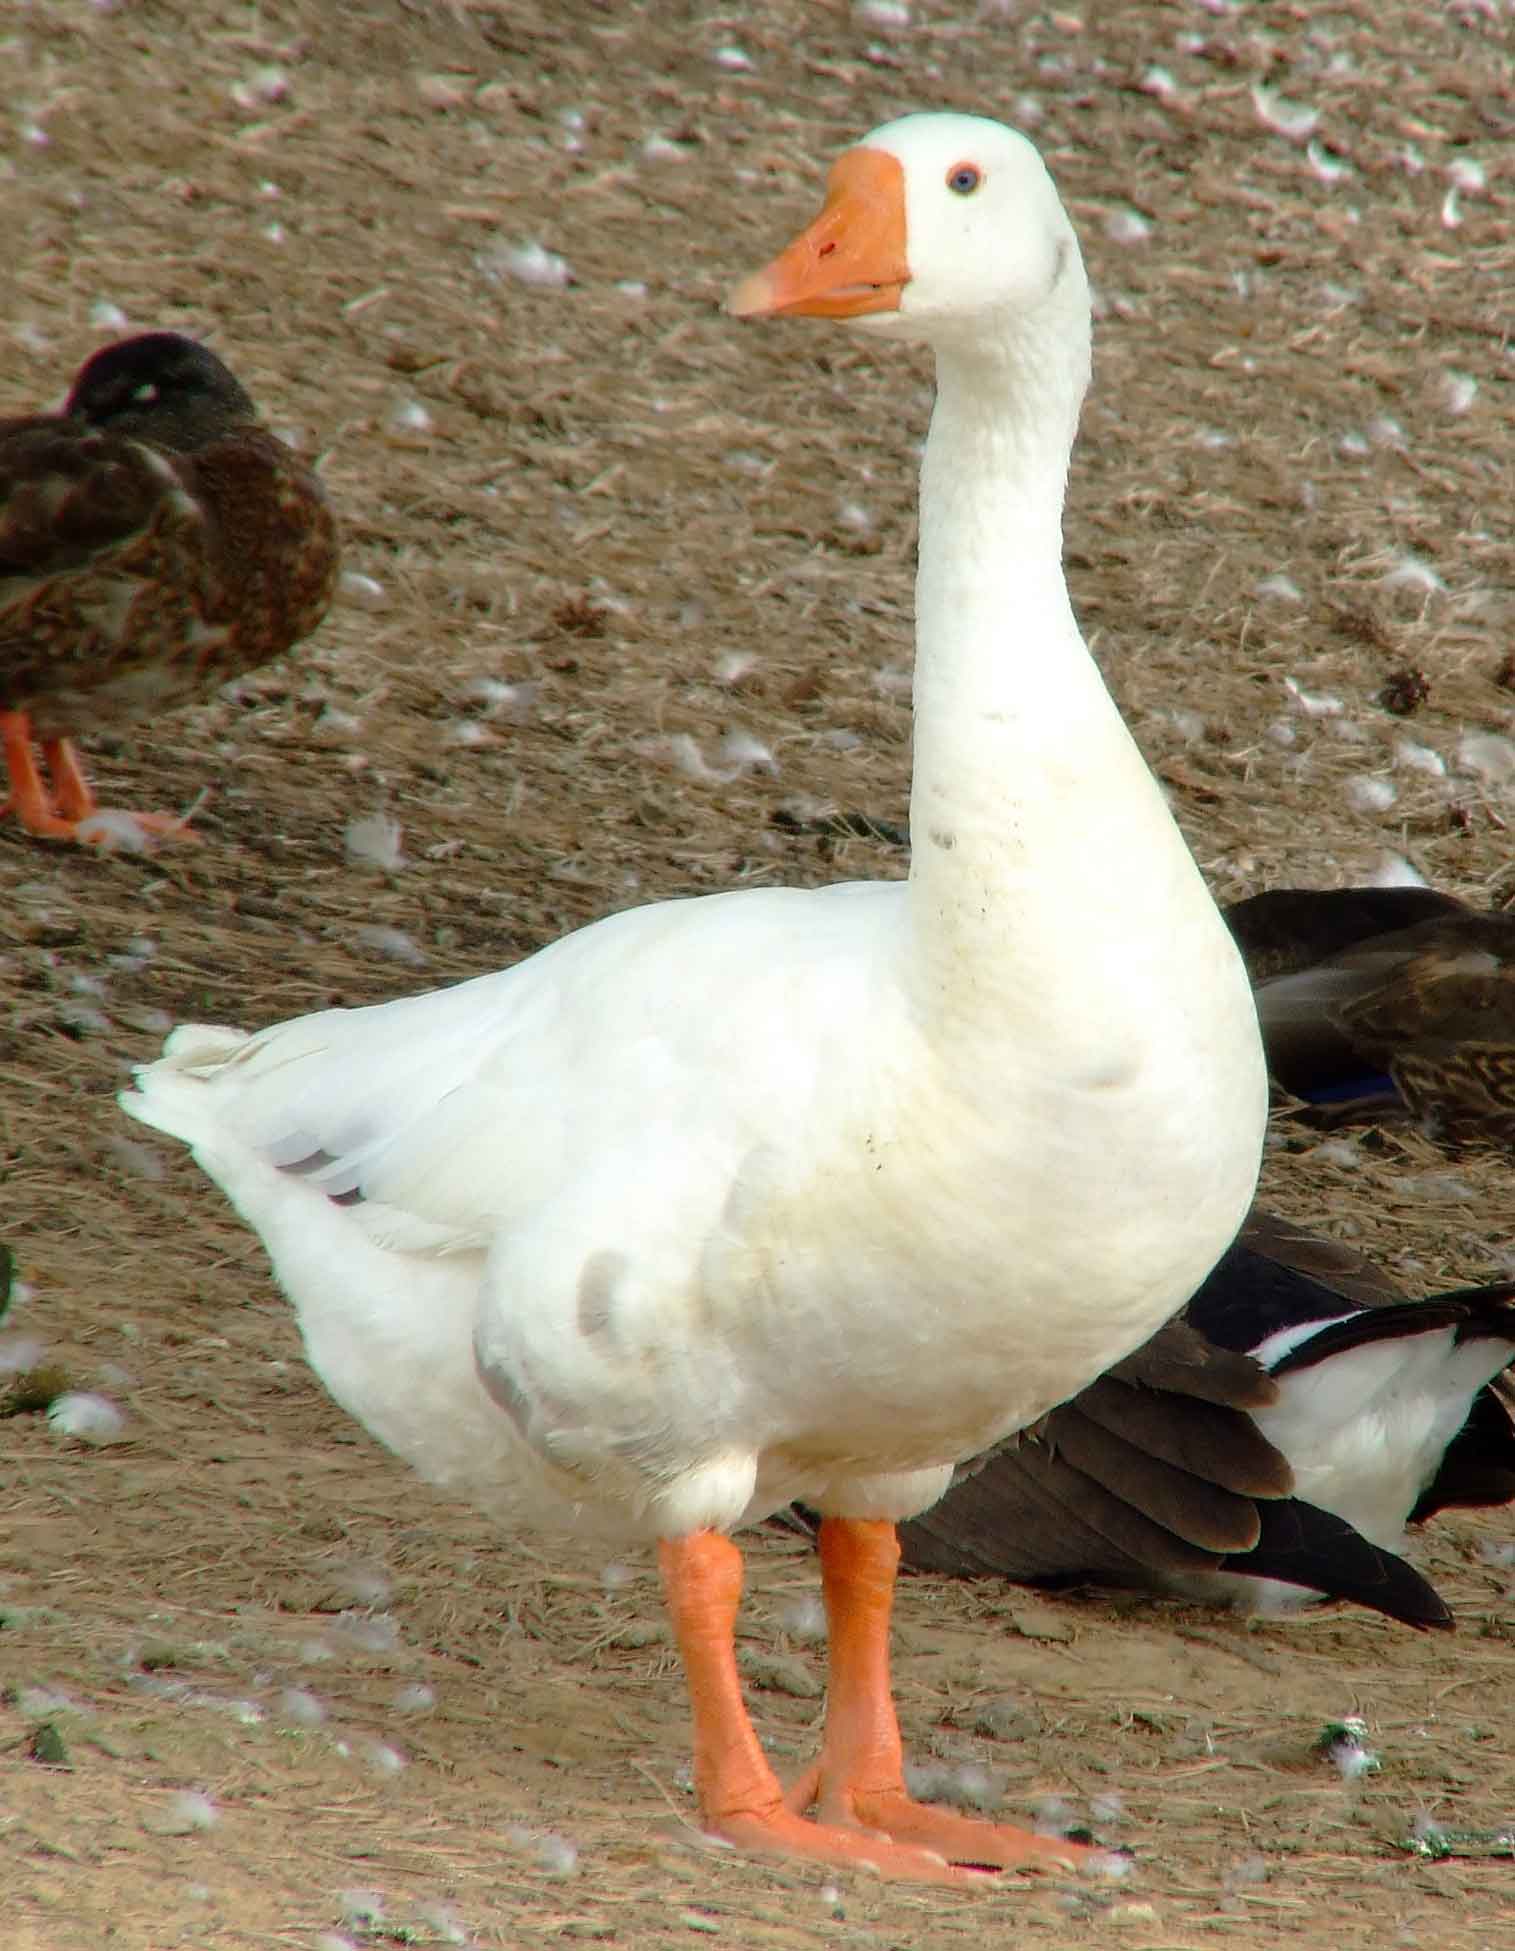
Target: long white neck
[(1042, 848)]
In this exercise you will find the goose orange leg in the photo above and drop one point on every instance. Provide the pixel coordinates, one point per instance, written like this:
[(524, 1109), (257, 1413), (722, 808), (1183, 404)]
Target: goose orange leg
[(57, 813), (866, 1820), (859, 1779)]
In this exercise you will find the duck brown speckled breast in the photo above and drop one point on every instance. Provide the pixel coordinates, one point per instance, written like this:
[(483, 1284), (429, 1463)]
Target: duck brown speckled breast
[(155, 541)]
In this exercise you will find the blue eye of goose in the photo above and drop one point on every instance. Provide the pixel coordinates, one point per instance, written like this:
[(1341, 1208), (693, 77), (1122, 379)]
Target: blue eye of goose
[(964, 178)]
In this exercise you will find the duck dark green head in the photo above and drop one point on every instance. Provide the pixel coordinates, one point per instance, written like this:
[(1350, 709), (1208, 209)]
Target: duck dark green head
[(161, 388)]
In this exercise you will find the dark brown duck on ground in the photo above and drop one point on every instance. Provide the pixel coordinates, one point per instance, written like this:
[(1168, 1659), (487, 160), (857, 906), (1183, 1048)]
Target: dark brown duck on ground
[(155, 541), (1266, 1448), (1382, 1003)]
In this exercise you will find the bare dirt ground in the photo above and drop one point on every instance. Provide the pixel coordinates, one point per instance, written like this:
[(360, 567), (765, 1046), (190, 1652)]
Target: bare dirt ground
[(685, 548)]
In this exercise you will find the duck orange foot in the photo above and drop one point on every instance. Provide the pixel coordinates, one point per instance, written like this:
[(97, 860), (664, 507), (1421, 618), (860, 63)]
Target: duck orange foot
[(60, 811)]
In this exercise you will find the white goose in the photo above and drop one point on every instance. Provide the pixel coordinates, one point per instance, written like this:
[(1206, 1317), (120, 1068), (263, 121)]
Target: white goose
[(781, 1193)]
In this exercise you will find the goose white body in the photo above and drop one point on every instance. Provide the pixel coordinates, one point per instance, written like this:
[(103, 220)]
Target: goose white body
[(786, 1193)]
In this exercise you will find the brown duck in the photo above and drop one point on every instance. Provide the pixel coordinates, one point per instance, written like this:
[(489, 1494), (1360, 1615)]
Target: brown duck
[(155, 541), (1386, 1002)]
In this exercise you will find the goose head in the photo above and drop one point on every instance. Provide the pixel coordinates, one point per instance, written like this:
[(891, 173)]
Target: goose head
[(934, 227)]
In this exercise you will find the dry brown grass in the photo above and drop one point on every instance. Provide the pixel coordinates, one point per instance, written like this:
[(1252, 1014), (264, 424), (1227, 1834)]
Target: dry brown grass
[(687, 481)]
